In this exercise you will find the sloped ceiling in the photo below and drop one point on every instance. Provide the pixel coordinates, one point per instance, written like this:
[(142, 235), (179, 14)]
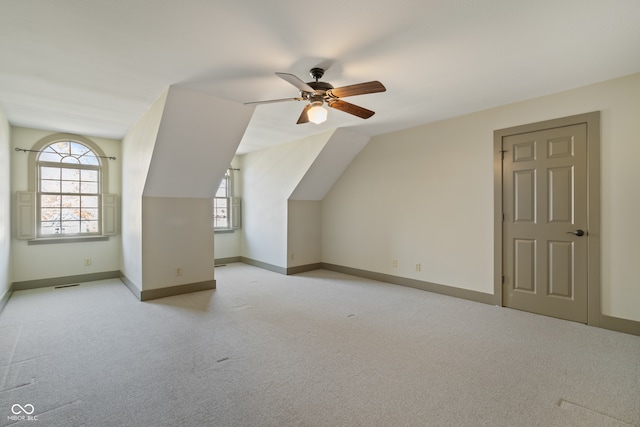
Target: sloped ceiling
[(341, 148), (94, 67), (197, 138)]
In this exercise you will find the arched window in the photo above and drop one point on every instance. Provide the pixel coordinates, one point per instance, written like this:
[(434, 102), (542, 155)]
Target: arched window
[(69, 190), (68, 197)]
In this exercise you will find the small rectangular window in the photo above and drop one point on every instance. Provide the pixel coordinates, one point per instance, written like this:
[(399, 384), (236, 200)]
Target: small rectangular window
[(226, 208)]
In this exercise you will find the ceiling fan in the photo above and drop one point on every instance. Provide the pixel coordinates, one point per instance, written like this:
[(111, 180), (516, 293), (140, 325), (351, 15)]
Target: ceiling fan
[(319, 93)]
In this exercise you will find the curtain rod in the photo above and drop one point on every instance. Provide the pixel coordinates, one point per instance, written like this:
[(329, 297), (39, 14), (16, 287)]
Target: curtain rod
[(40, 151)]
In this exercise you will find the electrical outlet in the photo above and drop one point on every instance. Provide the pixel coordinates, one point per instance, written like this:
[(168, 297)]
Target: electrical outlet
[(418, 267), (394, 263), (179, 271), (87, 262)]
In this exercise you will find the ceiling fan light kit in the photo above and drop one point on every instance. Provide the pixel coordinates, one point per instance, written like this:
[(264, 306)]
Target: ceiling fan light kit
[(318, 93), (316, 113)]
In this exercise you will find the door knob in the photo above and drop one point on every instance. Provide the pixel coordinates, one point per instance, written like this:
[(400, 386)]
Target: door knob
[(576, 233)]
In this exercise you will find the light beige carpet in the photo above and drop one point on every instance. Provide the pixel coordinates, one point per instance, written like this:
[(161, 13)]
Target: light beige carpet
[(316, 349)]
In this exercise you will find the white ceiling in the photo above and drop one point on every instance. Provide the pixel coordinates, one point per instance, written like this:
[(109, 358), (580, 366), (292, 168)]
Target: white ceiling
[(95, 67)]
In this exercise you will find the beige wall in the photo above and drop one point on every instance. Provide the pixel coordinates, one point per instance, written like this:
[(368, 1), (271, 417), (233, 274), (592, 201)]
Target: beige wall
[(425, 195), (5, 205), (269, 177), (33, 262), (137, 149), (177, 233), (303, 232)]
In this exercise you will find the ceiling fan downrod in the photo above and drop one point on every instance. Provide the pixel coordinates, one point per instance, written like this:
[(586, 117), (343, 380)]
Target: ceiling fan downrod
[(316, 73)]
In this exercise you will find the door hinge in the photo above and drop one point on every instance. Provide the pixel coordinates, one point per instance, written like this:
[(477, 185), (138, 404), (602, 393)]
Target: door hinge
[(503, 280), (502, 216), (502, 153)]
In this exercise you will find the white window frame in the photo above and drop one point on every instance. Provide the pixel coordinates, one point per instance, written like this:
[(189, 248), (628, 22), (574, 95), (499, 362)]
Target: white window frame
[(226, 208), (77, 190)]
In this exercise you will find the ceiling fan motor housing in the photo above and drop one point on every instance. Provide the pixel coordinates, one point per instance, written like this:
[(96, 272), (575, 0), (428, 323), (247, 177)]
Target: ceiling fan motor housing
[(320, 90)]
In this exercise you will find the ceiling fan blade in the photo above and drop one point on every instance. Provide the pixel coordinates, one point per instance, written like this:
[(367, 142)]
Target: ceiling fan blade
[(271, 101), (294, 80), (357, 89), (347, 107), (304, 117)]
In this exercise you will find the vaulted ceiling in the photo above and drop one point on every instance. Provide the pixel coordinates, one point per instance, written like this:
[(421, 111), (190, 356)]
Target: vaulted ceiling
[(94, 67)]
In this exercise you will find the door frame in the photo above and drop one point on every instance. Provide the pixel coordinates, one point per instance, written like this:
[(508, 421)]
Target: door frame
[(592, 121)]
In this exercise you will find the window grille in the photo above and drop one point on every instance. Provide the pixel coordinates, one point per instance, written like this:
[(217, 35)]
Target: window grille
[(69, 192)]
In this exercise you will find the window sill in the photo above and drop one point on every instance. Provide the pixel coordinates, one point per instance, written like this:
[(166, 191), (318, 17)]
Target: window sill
[(224, 231), (50, 240)]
